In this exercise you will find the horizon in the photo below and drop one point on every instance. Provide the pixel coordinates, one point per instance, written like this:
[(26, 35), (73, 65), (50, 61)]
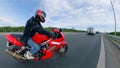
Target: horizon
[(61, 28)]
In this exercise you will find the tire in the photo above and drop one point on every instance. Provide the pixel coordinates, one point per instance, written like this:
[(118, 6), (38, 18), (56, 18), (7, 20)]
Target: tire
[(62, 50)]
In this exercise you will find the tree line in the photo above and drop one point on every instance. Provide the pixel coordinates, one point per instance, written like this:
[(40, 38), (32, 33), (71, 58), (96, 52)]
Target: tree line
[(113, 33), (21, 29)]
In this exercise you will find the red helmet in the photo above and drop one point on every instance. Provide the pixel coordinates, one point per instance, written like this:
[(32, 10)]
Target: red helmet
[(41, 15)]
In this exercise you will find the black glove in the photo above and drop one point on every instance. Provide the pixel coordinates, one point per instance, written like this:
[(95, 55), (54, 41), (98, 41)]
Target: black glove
[(52, 35)]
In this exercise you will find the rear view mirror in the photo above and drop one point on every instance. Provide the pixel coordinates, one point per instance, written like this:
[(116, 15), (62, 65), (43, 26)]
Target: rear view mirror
[(57, 30), (60, 30)]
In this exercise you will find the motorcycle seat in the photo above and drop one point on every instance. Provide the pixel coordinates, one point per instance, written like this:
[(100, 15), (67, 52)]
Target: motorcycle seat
[(17, 36)]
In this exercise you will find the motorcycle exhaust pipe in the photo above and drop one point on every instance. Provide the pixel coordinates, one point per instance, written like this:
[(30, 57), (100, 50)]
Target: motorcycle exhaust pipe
[(12, 53)]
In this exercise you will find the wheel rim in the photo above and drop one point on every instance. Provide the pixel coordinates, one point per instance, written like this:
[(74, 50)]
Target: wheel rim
[(63, 49)]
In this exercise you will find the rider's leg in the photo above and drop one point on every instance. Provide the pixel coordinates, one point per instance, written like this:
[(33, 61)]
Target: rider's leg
[(34, 48)]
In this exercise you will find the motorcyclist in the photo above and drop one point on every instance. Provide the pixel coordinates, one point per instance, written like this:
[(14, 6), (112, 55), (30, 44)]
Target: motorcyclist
[(33, 26)]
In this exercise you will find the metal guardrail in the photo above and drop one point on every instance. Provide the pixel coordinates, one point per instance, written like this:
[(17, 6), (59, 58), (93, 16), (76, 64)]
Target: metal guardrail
[(114, 39)]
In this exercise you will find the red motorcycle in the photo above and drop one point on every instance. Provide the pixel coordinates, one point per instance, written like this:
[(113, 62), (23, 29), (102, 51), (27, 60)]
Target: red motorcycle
[(48, 45)]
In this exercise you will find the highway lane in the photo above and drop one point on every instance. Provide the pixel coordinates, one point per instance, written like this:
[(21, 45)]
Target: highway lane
[(83, 52)]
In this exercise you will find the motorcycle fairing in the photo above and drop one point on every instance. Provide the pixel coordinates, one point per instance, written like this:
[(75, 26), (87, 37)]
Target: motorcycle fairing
[(13, 40)]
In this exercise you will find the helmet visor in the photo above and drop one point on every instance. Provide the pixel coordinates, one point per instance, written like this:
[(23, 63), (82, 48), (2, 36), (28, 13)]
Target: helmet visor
[(43, 15)]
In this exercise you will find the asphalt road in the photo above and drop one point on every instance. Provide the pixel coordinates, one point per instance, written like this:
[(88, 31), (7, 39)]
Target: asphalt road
[(83, 52)]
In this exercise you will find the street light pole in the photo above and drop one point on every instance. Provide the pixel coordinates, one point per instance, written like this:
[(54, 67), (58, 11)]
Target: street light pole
[(114, 15)]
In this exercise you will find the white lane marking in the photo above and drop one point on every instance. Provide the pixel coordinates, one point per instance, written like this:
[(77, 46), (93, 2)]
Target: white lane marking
[(101, 62)]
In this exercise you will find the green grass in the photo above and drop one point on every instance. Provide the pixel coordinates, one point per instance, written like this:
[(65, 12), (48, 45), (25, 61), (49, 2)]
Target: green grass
[(115, 41)]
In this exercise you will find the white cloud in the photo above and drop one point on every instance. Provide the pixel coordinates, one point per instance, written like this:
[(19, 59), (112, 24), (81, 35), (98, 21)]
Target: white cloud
[(81, 13), (56, 7), (7, 21)]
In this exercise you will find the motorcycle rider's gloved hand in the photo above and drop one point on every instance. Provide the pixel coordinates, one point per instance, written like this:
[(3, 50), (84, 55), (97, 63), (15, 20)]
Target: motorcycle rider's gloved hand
[(52, 34)]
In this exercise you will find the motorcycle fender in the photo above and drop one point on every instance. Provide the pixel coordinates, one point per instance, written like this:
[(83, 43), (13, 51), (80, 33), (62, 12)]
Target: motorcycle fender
[(47, 55)]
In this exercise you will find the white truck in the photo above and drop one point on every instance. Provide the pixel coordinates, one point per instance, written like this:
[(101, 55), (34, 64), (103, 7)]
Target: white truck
[(90, 31)]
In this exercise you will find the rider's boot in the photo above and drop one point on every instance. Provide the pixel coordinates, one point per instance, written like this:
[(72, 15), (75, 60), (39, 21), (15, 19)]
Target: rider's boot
[(28, 55)]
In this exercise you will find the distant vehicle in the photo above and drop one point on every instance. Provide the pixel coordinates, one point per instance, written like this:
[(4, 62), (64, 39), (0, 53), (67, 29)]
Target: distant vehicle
[(90, 31), (97, 32)]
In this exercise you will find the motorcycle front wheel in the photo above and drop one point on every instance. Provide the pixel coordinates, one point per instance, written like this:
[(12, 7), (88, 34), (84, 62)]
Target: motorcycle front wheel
[(62, 50)]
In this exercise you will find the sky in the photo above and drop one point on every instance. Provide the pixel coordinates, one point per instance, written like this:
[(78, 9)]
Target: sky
[(79, 14)]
